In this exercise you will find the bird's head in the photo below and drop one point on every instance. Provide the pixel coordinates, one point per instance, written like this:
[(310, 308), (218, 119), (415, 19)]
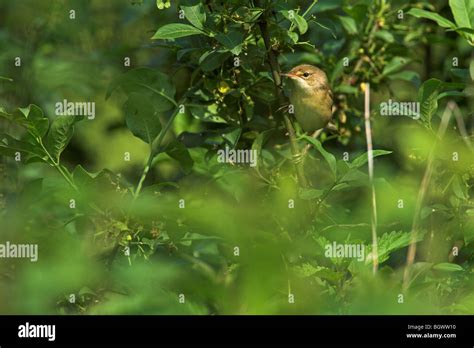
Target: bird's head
[(306, 78)]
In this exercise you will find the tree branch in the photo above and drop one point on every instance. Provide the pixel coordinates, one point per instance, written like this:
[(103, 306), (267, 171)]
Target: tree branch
[(275, 69)]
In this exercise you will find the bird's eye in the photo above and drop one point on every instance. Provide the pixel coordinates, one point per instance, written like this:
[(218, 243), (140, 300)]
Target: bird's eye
[(306, 74)]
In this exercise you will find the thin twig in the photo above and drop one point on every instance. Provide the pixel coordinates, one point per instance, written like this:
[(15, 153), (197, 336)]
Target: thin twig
[(421, 196), (370, 162), (460, 122)]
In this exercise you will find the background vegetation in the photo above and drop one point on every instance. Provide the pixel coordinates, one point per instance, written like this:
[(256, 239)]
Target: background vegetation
[(167, 222)]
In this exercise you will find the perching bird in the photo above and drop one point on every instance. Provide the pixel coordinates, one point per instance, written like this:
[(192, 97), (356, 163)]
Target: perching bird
[(310, 96)]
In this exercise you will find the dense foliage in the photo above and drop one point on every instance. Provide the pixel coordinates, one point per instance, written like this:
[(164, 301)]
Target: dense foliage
[(133, 212)]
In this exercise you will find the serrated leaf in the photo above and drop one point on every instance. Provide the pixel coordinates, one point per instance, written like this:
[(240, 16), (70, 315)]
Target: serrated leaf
[(59, 135), (176, 30), (428, 98), (393, 241), (195, 14), (141, 118)]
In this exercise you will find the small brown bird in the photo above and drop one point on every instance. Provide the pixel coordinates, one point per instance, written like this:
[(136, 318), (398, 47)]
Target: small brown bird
[(311, 97)]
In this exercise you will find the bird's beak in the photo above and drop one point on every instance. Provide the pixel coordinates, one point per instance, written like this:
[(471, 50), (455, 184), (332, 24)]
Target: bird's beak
[(291, 76)]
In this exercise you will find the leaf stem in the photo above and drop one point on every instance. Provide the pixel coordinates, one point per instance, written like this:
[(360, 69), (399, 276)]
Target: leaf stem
[(155, 149), (309, 8), (58, 167)]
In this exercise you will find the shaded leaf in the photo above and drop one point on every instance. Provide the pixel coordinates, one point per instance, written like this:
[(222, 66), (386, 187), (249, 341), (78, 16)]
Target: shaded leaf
[(141, 118), (385, 35), (180, 153), (147, 82), (211, 60), (349, 24), (329, 157), (443, 22), (195, 14), (394, 65), (233, 41)]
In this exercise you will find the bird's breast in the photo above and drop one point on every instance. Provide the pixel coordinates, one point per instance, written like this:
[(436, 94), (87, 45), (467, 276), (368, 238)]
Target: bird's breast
[(312, 111)]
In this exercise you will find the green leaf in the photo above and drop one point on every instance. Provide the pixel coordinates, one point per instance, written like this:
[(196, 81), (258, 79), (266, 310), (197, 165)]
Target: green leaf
[(296, 20), (141, 118), (451, 94), (232, 136), (385, 35), (394, 65), (293, 36), (390, 242), (82, 178), (32, 119), (147, 82), (207, 113), (428, 98), (443, 22), (448, 267), (349, 24), (309, 194), (179, 152), (459, 188), (463, 12), (329, 157), (195, 14), (465, 30), (9, 145), (176, 30), (232, 41), (301, 24), (471, 69), (362, 159), (461, 73), (212, 60), (406, 75), (59, 135)]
